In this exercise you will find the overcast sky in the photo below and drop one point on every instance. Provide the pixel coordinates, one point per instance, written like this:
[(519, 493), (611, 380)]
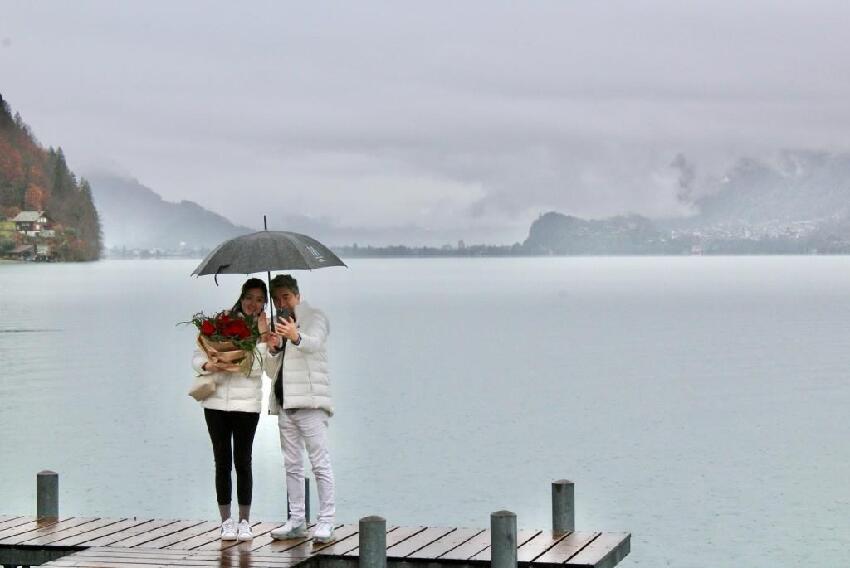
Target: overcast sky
[(465, 119)]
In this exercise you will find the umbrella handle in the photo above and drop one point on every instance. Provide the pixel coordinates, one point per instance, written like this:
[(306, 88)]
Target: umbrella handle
[(217, 271)]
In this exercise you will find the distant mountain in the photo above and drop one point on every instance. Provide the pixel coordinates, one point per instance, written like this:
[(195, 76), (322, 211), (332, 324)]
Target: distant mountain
[(799, 203), (799, 186), (134, 216), (554, 233)]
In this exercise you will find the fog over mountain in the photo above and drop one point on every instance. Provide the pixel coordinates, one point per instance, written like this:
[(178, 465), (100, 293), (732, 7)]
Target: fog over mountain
[(134, 216), (799, 193), (137, 217), (431, 121), (798, 202), (795, 186)]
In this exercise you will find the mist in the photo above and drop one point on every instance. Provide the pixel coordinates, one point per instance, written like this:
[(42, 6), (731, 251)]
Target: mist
[(451, 121)]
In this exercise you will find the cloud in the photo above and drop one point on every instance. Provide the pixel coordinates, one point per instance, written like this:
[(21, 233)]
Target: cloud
[(451, 118)]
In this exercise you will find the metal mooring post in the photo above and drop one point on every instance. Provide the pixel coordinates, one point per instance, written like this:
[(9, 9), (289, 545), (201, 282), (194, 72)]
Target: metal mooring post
[(503, 539), (373, 542), (47, 495), (563, 506)]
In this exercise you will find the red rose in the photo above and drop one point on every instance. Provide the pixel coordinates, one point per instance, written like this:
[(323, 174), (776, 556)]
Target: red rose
[(207, 328), (237, 328)]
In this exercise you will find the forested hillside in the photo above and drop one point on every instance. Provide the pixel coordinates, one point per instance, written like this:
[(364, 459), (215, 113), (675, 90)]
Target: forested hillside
[(33, 178)]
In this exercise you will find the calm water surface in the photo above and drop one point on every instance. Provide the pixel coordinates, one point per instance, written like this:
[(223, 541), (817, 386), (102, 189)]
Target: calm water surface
[(701, 403)]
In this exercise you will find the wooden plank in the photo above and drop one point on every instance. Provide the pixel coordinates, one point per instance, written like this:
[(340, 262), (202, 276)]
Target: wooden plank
[(394, 536), (264, 562), (265, 529), (26, 527), (260, 530), (420, 540), (565, 548), (469, 548), (149, 555), (310, 547), (443, 545), (523, 539), (67, 562), (211, 536), (48, 529), (259, 536), (148, 536), (264, 542), (604, 552), (401, 534), (117, 538), (341, 533), (342, 545), (51, 536), (12, 522), (87, 538), (185, 534), (154, 556)]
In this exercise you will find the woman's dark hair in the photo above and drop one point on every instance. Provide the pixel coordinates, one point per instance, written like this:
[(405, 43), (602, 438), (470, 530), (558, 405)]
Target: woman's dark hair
[(251, 284)]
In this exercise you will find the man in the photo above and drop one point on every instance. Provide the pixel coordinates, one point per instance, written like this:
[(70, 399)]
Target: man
[(297, 362)]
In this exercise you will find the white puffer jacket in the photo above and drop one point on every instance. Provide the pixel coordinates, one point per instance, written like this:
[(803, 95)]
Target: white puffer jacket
[(306, 380), (234, 391)]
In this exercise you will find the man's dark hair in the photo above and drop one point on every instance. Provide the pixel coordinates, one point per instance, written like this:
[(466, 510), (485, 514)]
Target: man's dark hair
[(284, 281)]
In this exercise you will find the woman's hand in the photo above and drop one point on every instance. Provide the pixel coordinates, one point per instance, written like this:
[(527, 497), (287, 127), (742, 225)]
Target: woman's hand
[(273, 341), (287, 329), (213, 366), (263, 324)]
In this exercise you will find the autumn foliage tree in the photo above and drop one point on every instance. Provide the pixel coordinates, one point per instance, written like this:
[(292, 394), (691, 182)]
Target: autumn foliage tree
[(32, 178)]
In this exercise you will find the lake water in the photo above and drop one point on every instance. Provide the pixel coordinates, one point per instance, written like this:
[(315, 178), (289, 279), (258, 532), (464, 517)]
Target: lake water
[(701, 403)]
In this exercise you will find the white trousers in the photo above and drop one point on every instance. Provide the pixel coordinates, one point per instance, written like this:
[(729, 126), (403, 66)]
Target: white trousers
[(307, 428)]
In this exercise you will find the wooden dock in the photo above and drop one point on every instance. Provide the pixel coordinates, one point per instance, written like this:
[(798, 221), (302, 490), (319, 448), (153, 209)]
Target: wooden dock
[(88, 542), (144, 543)]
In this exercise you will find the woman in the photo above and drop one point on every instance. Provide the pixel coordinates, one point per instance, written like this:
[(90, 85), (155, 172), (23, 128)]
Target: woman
[(232, 413)]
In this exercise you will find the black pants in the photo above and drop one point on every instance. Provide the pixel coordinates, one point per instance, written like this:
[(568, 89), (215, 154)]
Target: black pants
[(239, 427)]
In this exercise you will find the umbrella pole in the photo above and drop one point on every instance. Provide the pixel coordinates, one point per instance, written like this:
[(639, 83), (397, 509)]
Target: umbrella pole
[(269, 278)]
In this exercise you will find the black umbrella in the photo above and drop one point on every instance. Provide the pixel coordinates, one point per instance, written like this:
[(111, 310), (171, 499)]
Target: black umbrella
[(265, 251)]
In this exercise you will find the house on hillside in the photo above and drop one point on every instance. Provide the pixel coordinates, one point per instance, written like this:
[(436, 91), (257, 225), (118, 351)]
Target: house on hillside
[(22, 252), (31, 223), (44, 252), (28, 236)]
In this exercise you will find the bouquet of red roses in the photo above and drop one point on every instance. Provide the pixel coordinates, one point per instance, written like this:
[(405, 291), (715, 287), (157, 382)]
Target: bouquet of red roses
[(228, 339)]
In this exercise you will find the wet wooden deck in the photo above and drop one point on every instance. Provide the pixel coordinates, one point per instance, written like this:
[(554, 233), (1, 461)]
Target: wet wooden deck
[(145, 543)]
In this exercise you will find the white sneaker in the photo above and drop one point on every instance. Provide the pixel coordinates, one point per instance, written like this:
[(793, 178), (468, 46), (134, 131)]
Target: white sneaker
[(324, 532), (228, 530), (290, 529), (243, 531)]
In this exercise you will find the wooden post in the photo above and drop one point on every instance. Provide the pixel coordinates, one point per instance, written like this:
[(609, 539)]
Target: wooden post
[(563, 506), (307, 499), (47, 495), (503, 539), (373, 542)]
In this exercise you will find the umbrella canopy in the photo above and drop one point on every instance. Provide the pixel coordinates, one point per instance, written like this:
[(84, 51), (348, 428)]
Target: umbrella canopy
[(266, 251)]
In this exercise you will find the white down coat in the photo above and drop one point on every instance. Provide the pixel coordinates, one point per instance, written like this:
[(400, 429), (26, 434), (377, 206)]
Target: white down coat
[(306, 380), (234, 391)]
